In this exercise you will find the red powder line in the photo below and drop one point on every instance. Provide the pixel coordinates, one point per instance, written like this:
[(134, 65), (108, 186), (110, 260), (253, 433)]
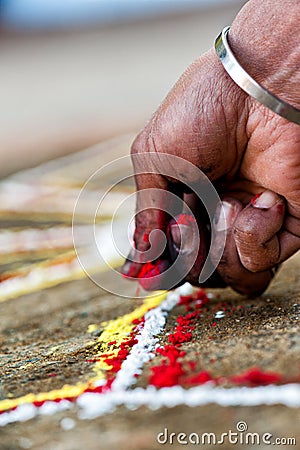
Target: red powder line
[(173, 370), (256, 377)]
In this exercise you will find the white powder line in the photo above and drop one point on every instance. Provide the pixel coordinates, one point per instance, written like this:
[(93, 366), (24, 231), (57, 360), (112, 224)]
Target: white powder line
[(143, 351), (28, 411), (93, 405)]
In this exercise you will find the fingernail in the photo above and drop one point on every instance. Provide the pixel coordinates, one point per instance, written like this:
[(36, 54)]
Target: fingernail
[(182, 237), (265, 201), (224, 216), (126, 269), (129, 268)]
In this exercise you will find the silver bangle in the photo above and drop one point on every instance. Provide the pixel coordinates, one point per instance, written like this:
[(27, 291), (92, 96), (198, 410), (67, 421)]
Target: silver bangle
[(248, 84)]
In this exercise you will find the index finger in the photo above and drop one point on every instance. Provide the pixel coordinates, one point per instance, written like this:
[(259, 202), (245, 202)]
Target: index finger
[(156, 206)]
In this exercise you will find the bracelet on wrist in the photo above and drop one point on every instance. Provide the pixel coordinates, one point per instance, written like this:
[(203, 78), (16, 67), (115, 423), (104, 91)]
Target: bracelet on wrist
[(249, 85)]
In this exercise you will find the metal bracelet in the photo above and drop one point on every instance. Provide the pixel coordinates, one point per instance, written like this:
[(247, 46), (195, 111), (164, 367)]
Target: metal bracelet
[(249, 85)]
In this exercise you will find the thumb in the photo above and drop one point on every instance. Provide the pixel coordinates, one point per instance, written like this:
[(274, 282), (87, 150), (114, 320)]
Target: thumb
[(255, 231)]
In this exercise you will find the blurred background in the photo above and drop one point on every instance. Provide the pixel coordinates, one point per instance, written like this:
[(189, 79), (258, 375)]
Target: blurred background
[(76, 72)]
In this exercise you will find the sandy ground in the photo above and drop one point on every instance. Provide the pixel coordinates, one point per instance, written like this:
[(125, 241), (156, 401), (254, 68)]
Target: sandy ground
[(260, 332)]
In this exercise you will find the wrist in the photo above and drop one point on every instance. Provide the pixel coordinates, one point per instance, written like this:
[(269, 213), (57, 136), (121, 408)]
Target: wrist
[(248, 84), (263, 38)]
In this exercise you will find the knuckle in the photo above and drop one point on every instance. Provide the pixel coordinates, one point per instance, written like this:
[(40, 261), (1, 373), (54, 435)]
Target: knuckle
[(139, 144)]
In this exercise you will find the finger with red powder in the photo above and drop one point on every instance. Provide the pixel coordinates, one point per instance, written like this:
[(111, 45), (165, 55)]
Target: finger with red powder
[(154, 205), (152, 275), (184, 244)]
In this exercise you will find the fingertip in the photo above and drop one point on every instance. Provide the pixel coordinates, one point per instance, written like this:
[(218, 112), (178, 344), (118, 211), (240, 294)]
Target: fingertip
[(188, 241), (253, 286), (255, 231), (153, 275), (226, 214), (265, 200), (132, 265), (181, 234)]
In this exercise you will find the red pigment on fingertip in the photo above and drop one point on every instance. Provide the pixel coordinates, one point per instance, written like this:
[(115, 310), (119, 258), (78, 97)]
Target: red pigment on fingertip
[(130, 274), (280, 208), (146, 273), (150, 270), (146, 237), (253, 199), (185, 219)]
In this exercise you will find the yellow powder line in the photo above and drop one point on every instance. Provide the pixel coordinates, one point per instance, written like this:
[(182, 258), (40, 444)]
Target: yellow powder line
[(65, 392), (119, 330), (114, 330), (41, 276)]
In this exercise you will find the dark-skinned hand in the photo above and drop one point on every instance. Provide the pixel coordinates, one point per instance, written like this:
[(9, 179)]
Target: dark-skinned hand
[(243, 147)]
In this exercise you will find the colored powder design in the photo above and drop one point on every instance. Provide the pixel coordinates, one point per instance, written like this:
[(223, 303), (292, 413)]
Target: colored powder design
[(117, 333), (120, 340), (173, 370)]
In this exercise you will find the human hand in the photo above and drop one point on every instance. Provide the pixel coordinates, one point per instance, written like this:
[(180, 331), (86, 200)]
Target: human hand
[(244, 149)]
